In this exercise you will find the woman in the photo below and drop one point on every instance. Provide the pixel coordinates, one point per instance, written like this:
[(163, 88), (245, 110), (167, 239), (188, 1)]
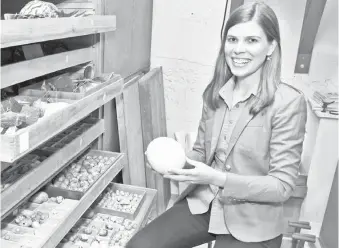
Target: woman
[(245, 160)]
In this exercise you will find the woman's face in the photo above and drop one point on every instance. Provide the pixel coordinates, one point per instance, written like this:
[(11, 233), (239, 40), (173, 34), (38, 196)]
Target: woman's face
[(246, 48)]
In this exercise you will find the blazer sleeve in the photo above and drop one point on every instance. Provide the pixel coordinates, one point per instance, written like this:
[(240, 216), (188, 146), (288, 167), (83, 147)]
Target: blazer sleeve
[(198, 152), (288, 131)]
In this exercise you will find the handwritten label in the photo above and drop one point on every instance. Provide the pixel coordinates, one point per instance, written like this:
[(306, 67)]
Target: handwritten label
[(24, 142)]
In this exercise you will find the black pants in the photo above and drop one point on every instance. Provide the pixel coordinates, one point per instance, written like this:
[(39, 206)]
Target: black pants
[(178, 228)]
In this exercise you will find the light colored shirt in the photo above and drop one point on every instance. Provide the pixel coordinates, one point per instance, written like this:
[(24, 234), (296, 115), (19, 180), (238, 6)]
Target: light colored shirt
[(217, 224)]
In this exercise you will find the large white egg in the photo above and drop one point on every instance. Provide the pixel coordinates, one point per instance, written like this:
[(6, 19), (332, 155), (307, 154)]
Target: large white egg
[(165, 153)]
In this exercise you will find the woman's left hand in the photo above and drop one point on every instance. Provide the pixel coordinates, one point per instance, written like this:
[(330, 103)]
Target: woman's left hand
[(200, 174)]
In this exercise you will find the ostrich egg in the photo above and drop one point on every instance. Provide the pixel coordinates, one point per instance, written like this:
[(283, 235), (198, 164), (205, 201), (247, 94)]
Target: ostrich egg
[(165, 153)]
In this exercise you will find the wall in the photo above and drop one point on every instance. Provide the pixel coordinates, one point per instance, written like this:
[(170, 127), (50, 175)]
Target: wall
[(185, 41)]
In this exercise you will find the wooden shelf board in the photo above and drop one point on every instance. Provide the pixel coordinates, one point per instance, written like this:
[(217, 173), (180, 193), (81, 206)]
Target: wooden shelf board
[(85, 202), (27, 185), (26, 31), (19, 72), (40, 132)]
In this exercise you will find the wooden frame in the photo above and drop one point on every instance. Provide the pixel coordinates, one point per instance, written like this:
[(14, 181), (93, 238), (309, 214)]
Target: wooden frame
[(313, 12)]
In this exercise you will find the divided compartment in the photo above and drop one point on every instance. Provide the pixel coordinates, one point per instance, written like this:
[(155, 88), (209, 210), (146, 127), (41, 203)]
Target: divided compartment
[(35, 89), (125, 188), (65, 137), (54, 191)]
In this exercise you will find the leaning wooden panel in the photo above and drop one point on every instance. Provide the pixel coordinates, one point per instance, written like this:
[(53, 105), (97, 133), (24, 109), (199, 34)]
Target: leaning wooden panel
[(17, 32), (122, 137), (153, 118), (44, 65), (130, 133)]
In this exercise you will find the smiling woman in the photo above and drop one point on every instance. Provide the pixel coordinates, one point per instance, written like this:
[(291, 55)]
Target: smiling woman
[(247, 48), (246, 157)]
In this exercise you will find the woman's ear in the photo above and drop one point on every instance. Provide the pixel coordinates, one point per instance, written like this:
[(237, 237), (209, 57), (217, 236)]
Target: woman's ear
[(272, 48)]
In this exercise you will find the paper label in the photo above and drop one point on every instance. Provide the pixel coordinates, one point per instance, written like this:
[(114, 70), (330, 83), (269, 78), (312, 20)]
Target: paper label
[(24, 142)]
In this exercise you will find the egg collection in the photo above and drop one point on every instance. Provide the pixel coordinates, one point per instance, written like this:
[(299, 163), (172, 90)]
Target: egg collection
[(80, 175), (35, 219), (101, 230), (120, 200)]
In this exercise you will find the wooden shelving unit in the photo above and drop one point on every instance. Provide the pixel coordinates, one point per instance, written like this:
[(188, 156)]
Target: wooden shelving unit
[(29, 140)]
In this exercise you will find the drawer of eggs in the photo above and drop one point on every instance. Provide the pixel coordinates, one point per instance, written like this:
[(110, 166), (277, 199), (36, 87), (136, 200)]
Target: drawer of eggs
[(121, 200), (76, 179), (33, 222), (98, 230)]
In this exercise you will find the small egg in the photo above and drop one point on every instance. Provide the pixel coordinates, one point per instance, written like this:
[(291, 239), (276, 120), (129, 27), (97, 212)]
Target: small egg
[(59, 199), (35, 224)]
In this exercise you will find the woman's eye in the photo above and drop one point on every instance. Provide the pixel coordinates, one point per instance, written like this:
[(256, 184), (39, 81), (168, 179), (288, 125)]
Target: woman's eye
[(231, 39), (252, 40)]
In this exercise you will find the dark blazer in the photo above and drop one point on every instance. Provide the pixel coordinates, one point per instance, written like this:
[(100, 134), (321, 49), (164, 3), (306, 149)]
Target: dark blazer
[(263, 158)]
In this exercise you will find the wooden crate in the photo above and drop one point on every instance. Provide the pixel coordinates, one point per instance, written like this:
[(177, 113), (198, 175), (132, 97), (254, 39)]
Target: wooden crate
[(125, 188)]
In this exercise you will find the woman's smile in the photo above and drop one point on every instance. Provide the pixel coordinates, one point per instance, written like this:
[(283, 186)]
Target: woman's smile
[(240, 62)]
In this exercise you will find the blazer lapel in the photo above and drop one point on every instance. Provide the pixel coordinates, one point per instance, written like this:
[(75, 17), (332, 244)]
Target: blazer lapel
[(217, 124), (242, 122)]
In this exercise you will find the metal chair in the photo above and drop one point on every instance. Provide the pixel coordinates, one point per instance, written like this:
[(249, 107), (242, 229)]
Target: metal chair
[(299, 239)]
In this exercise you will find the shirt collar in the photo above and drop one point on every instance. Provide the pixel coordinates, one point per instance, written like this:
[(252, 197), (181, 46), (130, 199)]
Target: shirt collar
[(226, 92)]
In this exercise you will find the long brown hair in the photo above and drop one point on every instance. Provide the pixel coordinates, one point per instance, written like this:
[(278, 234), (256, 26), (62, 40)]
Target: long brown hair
[(270, 76)]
